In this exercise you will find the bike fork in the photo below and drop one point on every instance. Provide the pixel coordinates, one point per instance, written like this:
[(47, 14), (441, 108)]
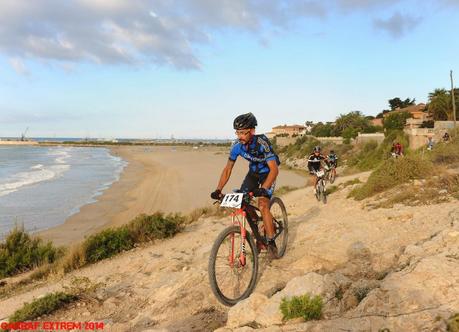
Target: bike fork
[(242, 255), (243, 236)]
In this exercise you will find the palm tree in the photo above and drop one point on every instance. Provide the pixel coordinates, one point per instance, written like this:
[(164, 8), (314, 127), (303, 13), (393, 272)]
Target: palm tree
[(440, 106)]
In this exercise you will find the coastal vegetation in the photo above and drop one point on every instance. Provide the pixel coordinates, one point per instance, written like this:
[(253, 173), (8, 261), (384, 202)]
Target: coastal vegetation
[(371, 155), (112, 241), (42, 306), (20, 253), (414, 165), (346, 125), (79, 288), (391, 173)]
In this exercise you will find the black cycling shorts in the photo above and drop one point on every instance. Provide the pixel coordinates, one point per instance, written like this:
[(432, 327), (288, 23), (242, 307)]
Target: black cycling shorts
[(254, 180)]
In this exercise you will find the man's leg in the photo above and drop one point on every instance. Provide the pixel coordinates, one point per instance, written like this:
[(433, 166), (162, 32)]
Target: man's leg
[(263, 205)]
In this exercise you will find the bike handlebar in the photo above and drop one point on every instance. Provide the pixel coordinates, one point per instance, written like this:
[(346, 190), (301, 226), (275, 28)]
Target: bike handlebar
[(246, 198)]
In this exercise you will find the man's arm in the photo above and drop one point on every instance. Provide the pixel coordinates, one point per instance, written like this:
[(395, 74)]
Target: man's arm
[(226, 173), (272, 175)]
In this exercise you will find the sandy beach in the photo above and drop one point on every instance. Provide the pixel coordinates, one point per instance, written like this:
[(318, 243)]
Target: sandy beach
[(157, 178)]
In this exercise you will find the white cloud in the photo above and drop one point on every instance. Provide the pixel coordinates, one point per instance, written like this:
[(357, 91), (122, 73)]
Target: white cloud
[(19, 66), (156, 31)]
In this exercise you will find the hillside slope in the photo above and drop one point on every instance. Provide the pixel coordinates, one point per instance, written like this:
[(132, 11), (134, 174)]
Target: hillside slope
[(382, 268)]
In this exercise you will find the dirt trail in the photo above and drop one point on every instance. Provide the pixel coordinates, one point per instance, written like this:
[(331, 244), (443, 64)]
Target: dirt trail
[(165, 286)]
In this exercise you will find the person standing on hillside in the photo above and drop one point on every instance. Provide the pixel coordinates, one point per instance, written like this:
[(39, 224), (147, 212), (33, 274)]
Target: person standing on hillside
[(430, 143), (263, 171), (397, 150), (446, 137)]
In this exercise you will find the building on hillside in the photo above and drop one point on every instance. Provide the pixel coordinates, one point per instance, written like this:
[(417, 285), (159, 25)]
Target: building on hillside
[(377, 122), (365, 138), (418, 137), (417, 112), (289, 130)]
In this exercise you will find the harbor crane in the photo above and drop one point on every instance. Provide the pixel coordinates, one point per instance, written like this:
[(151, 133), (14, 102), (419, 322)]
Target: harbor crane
[(23, 135)]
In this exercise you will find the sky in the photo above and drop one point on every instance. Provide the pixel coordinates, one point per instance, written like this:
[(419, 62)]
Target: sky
[(156, 68)]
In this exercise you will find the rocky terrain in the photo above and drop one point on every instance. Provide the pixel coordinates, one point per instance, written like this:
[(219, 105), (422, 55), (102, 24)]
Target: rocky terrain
[(378, 269)]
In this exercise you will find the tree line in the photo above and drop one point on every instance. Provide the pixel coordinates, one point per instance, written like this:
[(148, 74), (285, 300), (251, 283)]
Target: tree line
[(439, 108)]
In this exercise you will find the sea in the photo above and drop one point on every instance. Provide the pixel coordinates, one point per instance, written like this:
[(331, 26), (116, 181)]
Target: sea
[(41, 186)]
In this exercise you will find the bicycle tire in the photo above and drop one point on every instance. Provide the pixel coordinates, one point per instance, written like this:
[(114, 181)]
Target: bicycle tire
[(281, 222), (323, 194), (216, 289), (332, 177)]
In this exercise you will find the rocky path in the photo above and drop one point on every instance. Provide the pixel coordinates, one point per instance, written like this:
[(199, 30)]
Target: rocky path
[(404, 261)]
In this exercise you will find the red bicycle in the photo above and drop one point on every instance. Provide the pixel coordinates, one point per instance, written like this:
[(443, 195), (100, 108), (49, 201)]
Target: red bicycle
[(233, 266)]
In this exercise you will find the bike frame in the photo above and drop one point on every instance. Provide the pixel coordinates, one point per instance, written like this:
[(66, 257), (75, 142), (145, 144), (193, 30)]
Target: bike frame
[(240, 218)]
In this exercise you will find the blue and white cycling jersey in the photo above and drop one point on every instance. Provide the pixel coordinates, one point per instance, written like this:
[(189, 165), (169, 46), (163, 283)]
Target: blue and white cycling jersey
[(258, 152)]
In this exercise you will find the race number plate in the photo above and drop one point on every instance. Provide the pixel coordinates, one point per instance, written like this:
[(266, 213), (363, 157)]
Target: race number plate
[(320, 174), (233, 200)]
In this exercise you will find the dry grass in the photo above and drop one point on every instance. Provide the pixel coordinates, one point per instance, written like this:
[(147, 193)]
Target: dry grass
[(433, 191), (392, 173), (206, 212), (284, 190), (351, 182)]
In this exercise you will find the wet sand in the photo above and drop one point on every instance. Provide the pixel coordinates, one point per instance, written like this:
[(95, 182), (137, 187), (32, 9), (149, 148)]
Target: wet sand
[(158, 178)]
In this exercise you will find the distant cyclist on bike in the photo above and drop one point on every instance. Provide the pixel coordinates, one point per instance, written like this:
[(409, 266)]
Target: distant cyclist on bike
[(263, 170), (315, 161), (332, 161)]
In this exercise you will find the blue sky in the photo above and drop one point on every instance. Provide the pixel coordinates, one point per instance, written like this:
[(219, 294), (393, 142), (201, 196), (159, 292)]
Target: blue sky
[(148, 69)]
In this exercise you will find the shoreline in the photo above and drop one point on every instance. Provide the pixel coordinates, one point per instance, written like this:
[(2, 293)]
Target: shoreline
[(94, 216), (156, 179)]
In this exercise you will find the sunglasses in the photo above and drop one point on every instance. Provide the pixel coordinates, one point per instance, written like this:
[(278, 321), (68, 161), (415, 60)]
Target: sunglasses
[(242, 132)]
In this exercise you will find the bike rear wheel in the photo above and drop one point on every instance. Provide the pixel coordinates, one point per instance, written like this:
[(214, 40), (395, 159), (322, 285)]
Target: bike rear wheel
[(280, 220), (231, 279)]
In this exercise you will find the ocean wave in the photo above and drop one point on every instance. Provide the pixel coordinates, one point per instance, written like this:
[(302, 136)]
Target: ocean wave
[(39, 174), (61, 155)]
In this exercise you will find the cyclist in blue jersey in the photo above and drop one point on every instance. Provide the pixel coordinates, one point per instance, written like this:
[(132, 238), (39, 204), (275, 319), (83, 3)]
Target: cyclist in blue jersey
[(263, 170)]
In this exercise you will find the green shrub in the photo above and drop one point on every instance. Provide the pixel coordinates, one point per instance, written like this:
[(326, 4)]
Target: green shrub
[(20, 253), (371, 155), (301, 148), (368, 158), (42, 306), (446, 153), (142, 229), (107, 243), (156, 226), (305, 306), (391, 173), (396, 120), (453, 323)]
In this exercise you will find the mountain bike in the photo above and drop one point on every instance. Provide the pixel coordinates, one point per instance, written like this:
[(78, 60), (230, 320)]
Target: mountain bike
[(233, 261), (321, 193)]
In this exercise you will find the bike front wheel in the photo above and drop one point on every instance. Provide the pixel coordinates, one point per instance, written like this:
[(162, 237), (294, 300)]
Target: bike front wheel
[(233, 267), (280, 220), (332, 176), (322, 193)]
